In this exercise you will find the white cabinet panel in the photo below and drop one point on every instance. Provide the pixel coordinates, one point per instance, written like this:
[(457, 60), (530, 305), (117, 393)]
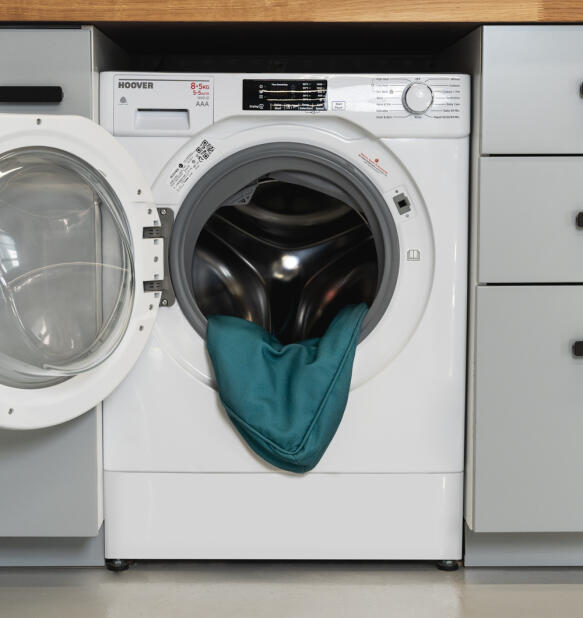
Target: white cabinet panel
[(48, 57), (51, 480), (531, 90), (528, 231), (528, 410)]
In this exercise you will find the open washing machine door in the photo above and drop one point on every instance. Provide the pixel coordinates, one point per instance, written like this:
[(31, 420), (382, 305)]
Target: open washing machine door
[(80, 267)]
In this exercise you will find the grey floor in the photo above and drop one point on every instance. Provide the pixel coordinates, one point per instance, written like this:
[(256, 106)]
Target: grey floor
[(298, 590)]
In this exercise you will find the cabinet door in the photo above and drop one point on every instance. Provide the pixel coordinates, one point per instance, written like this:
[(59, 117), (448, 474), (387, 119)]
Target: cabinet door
[(531, 102), (528, 230), (528, 455), (51, 481), (56, 57)]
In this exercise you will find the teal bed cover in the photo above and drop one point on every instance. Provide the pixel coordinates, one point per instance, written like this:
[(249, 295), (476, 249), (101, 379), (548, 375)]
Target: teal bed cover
[(286, 401)]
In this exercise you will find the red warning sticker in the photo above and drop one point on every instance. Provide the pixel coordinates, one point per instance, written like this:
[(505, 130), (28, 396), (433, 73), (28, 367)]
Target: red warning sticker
[(374, 162)]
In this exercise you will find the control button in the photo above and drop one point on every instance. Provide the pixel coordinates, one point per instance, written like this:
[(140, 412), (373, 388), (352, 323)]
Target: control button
[(418, 98)]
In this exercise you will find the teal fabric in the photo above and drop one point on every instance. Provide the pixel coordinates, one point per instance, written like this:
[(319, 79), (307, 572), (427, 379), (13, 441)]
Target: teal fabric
[(285, 400)]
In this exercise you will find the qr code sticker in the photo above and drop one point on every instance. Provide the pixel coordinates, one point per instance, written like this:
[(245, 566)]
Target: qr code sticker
[(204, 150)]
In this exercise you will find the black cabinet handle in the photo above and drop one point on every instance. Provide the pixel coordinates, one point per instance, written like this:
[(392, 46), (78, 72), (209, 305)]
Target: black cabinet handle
[(31, 94), (579, 219), (577, 348)]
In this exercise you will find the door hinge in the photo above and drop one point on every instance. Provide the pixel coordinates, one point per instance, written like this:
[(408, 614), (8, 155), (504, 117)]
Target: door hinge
[(163, 231)]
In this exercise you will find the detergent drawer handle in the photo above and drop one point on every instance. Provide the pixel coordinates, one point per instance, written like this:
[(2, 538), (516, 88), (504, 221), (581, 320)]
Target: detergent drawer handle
[(577, 348), (31, 94)]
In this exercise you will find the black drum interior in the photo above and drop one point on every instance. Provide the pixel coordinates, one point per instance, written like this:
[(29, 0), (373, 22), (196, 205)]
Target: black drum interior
[(289, 259)]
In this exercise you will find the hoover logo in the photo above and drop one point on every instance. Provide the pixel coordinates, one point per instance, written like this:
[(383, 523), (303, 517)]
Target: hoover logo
[(142, 85)]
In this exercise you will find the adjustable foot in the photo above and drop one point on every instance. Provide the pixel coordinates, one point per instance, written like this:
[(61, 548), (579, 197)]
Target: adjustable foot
[(116, 565), (447, 565)]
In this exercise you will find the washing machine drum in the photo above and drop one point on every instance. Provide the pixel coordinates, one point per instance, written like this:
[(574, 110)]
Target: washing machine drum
[(300, 235)]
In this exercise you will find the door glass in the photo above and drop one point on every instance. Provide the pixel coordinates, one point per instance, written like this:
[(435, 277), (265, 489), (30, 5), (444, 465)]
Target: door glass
[(66, 270)]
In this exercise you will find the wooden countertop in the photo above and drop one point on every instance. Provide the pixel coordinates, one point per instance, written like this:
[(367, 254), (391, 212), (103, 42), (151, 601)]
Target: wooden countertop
[(390, 11)]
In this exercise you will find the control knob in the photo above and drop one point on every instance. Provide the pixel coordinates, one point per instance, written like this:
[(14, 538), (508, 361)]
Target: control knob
[(417, 98)]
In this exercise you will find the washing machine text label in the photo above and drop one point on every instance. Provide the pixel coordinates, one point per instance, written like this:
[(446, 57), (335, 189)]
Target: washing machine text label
[(141, 85), (182, 173), (374, 163)]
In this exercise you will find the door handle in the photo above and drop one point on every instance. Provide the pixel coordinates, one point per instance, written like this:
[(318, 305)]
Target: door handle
[(577, 348), (579, 219)]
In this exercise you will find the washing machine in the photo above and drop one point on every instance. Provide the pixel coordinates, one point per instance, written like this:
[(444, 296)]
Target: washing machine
[(278, 198)]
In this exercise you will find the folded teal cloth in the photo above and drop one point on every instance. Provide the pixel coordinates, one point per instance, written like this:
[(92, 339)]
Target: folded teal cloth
[(285, 400)]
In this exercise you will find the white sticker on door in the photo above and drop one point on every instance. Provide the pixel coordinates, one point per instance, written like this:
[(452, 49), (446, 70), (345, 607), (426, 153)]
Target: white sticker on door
[(191, 162)]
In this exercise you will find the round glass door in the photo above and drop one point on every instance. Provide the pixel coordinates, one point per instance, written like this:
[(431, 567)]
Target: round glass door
[(66, 269)]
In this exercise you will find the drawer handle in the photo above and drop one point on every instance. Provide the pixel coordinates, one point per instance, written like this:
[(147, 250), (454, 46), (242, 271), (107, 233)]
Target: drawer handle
[(577, 348), (579, 219)]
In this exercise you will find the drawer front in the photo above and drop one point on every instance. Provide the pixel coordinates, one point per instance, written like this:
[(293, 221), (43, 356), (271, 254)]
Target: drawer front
[(46, 57), (527, 230), (51, 480), (531, 103), (528, 410)]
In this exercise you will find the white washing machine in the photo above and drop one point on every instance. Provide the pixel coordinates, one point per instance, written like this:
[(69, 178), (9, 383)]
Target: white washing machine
[(278, 198)]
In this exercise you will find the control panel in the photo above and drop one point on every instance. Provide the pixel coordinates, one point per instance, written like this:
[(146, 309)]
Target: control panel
[(395, 96), (282, 95), (385, 96), (412, 97), (387, 106)]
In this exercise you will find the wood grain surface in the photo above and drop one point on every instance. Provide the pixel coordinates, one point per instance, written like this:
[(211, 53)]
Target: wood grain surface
[(476, 11)]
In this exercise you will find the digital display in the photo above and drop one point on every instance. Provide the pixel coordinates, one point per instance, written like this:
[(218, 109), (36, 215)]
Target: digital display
[(283, 95)]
